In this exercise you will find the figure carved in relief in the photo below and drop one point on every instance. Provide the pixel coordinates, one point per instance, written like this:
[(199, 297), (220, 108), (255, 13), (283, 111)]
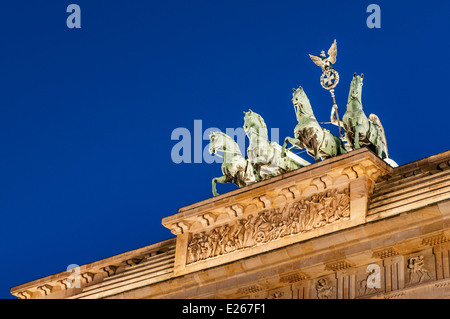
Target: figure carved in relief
[(324, 291), (316, 213), (293, 227), (417, 272), (279, 230), (224, 237), (263, 227), (272, 224), (192, 249), (249, 231), (304, 216), (214, 238), (230, 246), (201, 240), (327, 202), (240, 233), (368, 285)]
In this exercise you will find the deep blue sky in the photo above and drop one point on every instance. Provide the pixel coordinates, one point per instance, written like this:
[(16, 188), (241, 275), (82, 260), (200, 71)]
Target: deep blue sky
[(86, 115)]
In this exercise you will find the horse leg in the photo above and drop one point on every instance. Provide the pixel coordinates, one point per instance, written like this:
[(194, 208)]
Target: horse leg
[(293, 141), (356, 138), (256, 169), (315, 146), (283, 148), (222, 179)]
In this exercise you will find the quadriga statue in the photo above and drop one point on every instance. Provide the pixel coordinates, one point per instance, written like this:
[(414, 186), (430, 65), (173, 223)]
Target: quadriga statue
[(235, 168), (361, 131), (318, 142), (264, 155)]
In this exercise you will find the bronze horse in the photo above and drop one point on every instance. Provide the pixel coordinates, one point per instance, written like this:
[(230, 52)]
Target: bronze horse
[(362, 131), (318, 142)]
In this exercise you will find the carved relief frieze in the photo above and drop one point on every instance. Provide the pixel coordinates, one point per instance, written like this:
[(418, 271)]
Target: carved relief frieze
[(417, 270), (324, 289), (370, 280), (271, 224), (367, 286)]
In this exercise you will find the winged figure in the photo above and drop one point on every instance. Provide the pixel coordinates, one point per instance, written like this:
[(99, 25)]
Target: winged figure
[(322, 60), (376, 120)]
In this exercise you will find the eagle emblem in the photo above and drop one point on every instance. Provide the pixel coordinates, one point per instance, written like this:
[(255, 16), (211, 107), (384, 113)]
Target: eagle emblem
[(323, 61)]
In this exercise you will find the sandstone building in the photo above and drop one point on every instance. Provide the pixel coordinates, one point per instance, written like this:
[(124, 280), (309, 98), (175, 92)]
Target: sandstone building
[(347, 227)]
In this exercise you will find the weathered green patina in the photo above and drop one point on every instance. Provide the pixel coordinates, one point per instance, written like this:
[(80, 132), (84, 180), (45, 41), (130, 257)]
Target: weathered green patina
[(318, 142), (267, 159), (235, 168), (263, 154), (361, 131)]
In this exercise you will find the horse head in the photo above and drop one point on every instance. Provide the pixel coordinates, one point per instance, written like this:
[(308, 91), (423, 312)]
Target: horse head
[(253, 120), (301, 103), (215, 142), (356, 87), (219, 141)]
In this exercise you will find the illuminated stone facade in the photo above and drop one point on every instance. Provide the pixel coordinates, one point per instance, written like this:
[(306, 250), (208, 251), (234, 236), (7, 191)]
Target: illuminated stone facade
[(347, 227)]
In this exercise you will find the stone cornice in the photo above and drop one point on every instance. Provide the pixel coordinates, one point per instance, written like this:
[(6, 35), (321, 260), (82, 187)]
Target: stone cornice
[(230, 226), (278, 190), (302, 261), (89, 273), (393, 213)]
